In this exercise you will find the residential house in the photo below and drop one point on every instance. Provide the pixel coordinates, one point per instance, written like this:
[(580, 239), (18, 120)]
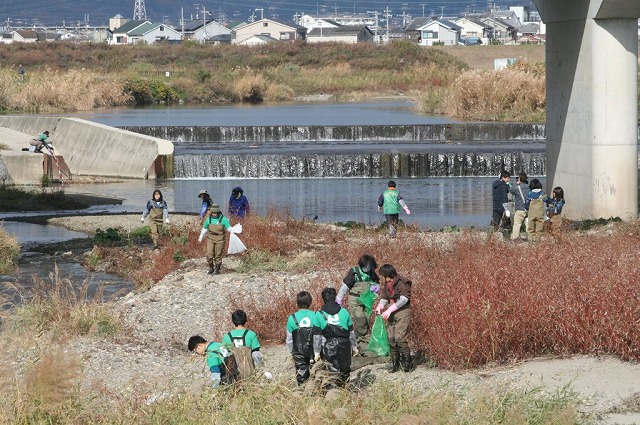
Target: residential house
[(6, 38), (211, 32), (25, 36), (146, 32), (413, 30), (473, 28), (48, 36), (439, 31), (257, 39), (281, 31), (500, 30), (309, 22), (117, 21), (341, 34)]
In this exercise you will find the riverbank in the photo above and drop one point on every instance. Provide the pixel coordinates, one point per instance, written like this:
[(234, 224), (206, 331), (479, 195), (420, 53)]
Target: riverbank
[(132, 355)]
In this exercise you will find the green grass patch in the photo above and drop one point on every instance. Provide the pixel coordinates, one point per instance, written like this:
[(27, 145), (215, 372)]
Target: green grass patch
[(17, 199), (9, 251)]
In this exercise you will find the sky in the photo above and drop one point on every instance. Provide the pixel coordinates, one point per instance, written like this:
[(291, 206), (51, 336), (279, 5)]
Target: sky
[(98, 12)]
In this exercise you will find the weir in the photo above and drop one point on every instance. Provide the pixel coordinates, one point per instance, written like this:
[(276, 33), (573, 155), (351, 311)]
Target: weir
[(464, 149)]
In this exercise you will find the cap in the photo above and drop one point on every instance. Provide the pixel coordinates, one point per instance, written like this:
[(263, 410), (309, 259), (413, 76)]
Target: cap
[(202, 192), (214, 208)]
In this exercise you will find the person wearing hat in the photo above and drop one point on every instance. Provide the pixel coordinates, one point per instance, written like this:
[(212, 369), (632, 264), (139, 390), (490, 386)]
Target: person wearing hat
[(40, 142), (238, 203), (206, 202), (214, 227)]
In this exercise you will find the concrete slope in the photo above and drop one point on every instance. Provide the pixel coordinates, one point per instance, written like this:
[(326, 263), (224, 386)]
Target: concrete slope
[(16, 166), (91, 149)]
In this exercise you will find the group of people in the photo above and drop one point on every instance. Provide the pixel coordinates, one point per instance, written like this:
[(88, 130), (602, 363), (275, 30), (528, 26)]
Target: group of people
[(332, 334), (214, 223), (532, 206)]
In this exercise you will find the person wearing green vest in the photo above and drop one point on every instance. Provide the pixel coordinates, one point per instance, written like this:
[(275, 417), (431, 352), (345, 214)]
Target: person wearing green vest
[(339, 340), (214, 227), (362, 284), (215, 354), (389, 203), (303, 340), (157, 210), (243, 337)]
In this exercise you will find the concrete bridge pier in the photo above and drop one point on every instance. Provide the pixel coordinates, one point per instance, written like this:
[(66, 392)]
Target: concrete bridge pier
[(592, 105)]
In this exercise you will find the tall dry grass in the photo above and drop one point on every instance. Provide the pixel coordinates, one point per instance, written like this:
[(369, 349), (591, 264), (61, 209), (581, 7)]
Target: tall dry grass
[(56, 307), (49, 91), (515, 93), (9, 251)]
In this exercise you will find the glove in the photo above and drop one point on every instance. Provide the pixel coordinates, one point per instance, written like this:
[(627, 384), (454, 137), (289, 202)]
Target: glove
[(167, 221), (339, 300), (389, 312), (355, 352), (316, 357), (375, 289), (202, 235), (406, 209), (507, 213), (268, 375), (378, 209), (379, 308), (142, 220)]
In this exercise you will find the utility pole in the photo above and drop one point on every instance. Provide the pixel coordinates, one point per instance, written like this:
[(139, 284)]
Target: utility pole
[(375, 34), (261, 12), (387, 15), (423, 6), (441, 12)]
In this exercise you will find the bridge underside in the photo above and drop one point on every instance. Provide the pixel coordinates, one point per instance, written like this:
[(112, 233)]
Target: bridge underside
[(592, 105)]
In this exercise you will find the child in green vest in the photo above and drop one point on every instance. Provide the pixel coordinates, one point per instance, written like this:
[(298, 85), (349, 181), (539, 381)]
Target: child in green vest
[(215, 354), (339, 340), (244, 344), (390, 202), (303, 339)]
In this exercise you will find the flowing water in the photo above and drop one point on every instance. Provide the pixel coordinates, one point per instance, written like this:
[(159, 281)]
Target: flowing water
[(326, 160)]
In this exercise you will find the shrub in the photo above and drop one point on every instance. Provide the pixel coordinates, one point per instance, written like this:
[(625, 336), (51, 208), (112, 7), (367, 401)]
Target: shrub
[(108, 237), (250, 88)]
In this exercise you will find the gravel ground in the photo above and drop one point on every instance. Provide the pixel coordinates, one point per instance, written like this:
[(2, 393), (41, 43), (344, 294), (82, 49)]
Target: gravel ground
[(153, 355)]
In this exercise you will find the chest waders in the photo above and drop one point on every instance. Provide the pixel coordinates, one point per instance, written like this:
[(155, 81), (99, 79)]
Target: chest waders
[(155, 215), (215, 244), (360, 307)]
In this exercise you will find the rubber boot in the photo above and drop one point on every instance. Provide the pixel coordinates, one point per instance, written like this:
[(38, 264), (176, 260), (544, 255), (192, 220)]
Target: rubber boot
[(407, 363), (216, 268), (211, 269), (395, 364)]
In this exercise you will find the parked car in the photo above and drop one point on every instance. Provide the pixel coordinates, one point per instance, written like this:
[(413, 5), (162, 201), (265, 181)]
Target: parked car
[(472, 41)]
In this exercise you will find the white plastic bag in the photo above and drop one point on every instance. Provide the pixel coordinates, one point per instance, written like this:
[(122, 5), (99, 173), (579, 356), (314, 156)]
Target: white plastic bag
[(235, 229), (235, 244)]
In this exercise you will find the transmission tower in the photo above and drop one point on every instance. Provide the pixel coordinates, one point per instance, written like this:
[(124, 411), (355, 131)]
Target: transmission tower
[(139, 11)]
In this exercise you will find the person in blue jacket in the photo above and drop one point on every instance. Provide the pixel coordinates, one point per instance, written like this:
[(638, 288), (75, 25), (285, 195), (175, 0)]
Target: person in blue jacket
[(206, 202), (238, 203)]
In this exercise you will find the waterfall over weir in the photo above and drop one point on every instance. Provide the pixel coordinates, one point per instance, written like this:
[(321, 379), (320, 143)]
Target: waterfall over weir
[(354, 151)]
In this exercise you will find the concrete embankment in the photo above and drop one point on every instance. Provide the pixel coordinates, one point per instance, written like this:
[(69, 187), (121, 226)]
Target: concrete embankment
[(82, 148)]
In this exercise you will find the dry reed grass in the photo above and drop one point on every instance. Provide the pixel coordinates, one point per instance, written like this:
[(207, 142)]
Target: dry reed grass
[(512, 94), (9, 251), (53, 91)]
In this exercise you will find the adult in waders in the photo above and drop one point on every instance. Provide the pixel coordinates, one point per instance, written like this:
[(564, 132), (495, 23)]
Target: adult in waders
[(361, 282), (158, 212), (395, 300), (339, 340), (390, 202), (214, 228)]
